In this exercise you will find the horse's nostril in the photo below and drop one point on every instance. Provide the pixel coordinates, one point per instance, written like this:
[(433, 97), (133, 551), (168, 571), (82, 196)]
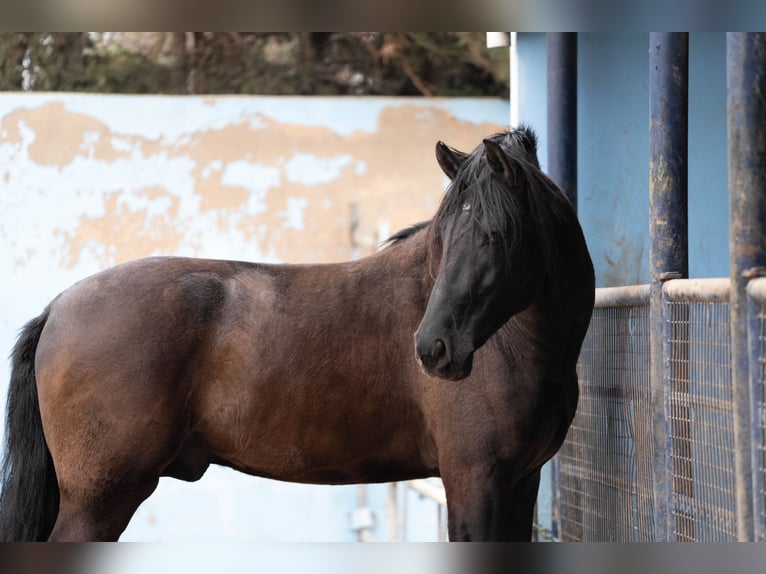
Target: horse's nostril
[(430, 353)]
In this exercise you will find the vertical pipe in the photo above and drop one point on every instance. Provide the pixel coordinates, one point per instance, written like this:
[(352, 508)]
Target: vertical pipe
[(668, 227), (561, 64), (746, 125), (514, 79), (755, 308)]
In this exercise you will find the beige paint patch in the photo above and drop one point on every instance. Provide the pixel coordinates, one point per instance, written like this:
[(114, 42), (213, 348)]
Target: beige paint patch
[(61, 135), (126, 234), (216, 195)]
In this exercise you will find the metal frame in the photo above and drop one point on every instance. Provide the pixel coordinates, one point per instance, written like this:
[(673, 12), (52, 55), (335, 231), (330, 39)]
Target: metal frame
[(668, 229), (746, 126), (756, 322)]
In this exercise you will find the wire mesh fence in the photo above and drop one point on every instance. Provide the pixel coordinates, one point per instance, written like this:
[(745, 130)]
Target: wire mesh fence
[(700, 412), (604, 468), (605, 475)]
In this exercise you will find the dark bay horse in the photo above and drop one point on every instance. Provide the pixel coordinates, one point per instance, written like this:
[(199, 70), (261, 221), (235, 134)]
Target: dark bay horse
[(308, 373)]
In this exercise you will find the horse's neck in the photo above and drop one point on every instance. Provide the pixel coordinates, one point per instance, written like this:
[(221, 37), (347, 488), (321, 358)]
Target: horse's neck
[(555, 322), (405, 262)]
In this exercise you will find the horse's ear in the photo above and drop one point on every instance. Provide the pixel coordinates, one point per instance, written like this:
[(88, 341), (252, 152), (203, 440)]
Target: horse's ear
[(449, 159), (500, 162)]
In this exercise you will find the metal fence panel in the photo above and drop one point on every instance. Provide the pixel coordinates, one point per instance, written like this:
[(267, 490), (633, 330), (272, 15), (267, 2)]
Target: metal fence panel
[(604, 467), (700, 410)]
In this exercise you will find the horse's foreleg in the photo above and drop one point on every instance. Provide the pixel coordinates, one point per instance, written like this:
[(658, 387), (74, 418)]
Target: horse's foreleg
[(485, 506), (523, 499)]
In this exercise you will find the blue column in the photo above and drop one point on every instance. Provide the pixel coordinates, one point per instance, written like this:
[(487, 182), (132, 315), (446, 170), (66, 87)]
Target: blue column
[(746, 126), (668, 230), (561, 66), (561, 58)]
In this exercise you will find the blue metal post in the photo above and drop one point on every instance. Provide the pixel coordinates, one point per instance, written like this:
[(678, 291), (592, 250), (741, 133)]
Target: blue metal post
[(561, 58), (755, 308), (668, 230), (561, 65), (746, 124)]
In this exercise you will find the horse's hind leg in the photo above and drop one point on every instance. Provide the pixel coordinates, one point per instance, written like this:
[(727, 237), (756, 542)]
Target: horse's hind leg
[(108, 457), (103, 480), (99, 516)]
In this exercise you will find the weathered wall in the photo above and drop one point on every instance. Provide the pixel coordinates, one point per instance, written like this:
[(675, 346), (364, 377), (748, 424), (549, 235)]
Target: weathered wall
[(87, 182)]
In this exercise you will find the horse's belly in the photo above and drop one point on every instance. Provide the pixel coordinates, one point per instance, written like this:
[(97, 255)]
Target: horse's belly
[(312, 445), (343, 462)]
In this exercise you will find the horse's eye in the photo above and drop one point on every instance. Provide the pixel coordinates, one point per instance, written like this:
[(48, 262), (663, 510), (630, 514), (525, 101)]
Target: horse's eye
[(494, 237)]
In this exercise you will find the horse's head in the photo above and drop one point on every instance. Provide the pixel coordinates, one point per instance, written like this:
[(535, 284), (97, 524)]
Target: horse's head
[(491, 263)]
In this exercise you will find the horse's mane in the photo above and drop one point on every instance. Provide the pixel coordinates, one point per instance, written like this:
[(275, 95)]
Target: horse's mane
[(405, 233), (493, 202)]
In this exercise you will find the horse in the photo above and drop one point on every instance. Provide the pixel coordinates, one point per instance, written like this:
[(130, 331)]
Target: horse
[(449, 352)]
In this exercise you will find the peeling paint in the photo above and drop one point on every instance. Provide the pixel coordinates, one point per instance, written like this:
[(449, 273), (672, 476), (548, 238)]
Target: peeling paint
[(293, 213), (309, 169), (261, 182)]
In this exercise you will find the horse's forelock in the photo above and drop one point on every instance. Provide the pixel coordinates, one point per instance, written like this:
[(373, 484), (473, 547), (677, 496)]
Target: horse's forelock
[(491, 200)]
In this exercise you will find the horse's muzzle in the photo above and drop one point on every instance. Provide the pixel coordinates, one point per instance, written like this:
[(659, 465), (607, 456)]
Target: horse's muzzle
[(435, 359)]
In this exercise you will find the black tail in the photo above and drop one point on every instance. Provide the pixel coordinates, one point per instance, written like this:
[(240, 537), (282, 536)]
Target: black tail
[(29, 501)]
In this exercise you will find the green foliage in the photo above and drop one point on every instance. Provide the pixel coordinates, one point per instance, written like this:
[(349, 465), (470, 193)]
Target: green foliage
[(12, 50), (399, 64)]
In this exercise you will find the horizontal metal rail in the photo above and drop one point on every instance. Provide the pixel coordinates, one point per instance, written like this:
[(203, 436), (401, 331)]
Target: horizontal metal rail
[(756, 290), (628, 296), (705, 290)]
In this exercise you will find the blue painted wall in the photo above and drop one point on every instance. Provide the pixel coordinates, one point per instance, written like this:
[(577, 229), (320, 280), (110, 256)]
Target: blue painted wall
[(613, 147)]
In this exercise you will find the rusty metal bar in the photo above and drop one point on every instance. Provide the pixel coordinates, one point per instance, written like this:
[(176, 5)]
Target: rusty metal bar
[(561, 58), (746, 126), (668, 231)]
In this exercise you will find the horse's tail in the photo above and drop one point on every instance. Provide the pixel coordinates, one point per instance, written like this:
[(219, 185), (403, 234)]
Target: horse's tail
[(29, 500)]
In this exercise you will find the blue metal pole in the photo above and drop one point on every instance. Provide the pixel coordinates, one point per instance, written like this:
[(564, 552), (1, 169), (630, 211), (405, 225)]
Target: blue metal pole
[(668, 230), (746, 124), (561, 64), (755, 309)]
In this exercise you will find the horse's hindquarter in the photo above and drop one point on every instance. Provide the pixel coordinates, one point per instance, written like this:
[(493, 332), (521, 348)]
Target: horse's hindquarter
[(112, 363)]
